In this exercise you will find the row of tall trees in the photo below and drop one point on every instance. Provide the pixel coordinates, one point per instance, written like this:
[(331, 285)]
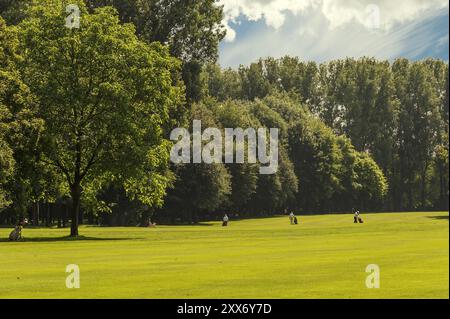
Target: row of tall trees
[(396, 112), (86, 115), (318, 170)]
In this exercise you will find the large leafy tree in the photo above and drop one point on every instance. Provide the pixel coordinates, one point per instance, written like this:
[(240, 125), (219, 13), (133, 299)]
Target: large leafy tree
[(6, 157), (104, 96), (6, 163), (418, 124), (439, 80), (20, 127)]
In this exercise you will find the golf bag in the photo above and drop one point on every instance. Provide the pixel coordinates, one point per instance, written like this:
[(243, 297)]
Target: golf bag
[(16, 234)]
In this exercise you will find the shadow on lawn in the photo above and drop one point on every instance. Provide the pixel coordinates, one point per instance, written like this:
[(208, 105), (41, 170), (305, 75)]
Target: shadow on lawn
[(157, 225), (181, 225), (65, 238), (439, 217)]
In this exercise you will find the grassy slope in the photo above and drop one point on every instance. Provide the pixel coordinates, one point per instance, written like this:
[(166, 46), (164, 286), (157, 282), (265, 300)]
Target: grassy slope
[(323, 257)]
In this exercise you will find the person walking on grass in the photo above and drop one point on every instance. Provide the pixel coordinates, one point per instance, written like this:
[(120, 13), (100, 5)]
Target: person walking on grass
[(225, 220)]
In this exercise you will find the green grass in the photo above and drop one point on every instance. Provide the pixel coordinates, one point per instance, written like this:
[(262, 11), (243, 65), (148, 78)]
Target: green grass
[(323, 257)]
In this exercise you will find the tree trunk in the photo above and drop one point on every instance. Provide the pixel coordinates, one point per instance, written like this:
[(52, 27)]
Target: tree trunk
[(410, 197), (47, 215), (76, 195), (423, 190), (145, 218), (36, 214), (90, 218), (66, 214), (442, 191)]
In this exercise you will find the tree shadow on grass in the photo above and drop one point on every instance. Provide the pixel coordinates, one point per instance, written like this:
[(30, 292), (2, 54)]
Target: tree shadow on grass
[(439, 217), (64, 239), (200, 224)]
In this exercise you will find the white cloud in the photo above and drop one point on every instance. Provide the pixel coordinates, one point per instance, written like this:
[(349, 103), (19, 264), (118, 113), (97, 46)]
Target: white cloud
[(368, 13), (273, 12), (313, 33)]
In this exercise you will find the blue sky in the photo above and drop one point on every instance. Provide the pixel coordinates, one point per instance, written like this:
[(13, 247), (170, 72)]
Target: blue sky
[(322, 30)]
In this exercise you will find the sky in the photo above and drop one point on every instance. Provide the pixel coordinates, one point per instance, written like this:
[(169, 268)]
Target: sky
[(322, 30)]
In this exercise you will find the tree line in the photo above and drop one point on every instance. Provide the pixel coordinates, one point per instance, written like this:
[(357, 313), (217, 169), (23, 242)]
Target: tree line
[(86, 115), (395, 112)]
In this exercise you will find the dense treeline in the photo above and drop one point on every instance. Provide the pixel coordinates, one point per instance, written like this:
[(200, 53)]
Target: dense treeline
[(318, 170), (395, 112), (86, 114)]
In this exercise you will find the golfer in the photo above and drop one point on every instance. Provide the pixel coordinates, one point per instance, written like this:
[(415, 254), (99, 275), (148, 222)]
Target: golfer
[(356, 217), (16, 234), (225, 220), (291, 218)]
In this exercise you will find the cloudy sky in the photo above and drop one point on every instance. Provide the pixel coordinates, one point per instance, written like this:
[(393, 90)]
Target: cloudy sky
[(321, 30)]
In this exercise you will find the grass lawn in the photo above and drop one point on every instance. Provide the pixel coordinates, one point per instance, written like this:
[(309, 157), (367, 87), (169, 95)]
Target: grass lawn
[(322, 257)]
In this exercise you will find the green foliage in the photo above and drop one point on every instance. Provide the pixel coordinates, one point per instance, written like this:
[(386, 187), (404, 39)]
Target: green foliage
[(274, 192), (21, 129), (396, 112), (6, 155), (192, 29), (222, 84), (317, 169), (244, 177), (6, 162), (104, 96), (199, 188), (418, 124), (87, 112), (370, 184), (13, 11)]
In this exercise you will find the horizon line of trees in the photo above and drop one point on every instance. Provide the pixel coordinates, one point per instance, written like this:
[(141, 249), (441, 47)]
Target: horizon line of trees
[(397, 112), (86, 114)]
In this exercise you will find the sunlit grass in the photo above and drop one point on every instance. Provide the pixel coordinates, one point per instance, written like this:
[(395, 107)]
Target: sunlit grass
[(323, 257)]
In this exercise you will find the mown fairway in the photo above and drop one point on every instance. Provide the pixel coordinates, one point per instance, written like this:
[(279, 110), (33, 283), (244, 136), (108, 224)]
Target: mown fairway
[(323, 257)]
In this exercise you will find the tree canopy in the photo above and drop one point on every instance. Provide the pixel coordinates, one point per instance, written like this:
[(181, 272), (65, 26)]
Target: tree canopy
[(104, 96), (86, 114)]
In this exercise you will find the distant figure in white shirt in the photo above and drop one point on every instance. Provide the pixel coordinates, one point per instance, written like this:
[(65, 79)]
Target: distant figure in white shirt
[(292, 218), (225, 220), (357, 218)]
